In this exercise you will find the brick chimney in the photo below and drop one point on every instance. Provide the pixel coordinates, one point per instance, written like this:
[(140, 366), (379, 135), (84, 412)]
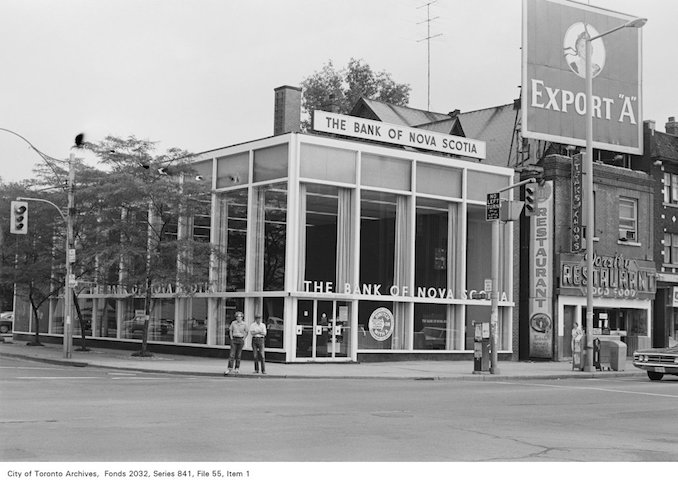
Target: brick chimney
[(287, 112), (672, 126)]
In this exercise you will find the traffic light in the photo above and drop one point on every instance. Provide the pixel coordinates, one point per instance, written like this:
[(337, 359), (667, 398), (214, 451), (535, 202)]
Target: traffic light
[(530, 199), (19, 218)]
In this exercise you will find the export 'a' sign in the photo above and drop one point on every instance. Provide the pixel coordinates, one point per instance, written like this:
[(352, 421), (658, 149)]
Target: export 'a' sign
[(555, 34), (396, 134)]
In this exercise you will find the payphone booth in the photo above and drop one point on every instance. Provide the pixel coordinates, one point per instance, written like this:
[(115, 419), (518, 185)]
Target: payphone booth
[(481, 347)]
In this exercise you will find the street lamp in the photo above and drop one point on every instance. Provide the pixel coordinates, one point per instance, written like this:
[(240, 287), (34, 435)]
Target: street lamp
[(70, 251), (636, 23)]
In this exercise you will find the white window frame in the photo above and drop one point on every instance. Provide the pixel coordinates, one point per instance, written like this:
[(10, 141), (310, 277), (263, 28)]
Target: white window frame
[(670, 189), (633, 238)]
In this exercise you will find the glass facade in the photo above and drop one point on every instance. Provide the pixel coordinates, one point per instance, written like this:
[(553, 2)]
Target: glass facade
[(343, 248)]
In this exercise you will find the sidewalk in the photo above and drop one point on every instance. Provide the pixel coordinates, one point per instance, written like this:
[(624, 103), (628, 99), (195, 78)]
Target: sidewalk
[(407, 370)]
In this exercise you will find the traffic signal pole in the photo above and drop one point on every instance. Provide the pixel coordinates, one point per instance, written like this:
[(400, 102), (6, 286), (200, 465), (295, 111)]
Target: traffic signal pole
[(494, 294), (70, 257), (70, 254)]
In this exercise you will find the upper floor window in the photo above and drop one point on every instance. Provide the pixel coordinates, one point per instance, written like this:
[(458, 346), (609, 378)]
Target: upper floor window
[(628, 223), (670, 188), (670, 248)]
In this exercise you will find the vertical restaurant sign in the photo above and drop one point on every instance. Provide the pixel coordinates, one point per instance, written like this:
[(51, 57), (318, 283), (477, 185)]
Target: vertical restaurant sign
[(554, 76), (540, 308), (576, 237)]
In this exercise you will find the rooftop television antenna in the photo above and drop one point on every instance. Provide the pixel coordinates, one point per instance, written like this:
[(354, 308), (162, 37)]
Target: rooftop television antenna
[(428, 45)]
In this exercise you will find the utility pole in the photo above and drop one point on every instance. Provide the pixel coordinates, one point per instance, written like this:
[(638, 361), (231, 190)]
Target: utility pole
[(428, 46), (494, 294), (70, 258)]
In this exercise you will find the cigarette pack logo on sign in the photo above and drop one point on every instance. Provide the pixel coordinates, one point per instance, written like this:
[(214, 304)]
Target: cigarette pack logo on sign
[(574, 48), (381, 324)]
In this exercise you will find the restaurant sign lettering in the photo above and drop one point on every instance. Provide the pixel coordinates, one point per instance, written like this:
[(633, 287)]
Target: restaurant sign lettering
[(614, 276)]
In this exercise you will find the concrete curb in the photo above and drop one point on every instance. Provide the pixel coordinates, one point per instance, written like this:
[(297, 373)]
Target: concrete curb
[(452, 377)]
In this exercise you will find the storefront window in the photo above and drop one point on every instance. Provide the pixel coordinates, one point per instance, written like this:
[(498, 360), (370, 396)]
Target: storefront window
[(225, 314), (85, 306), (228, 273), (380, 336), (435, 244), (193, 323), (320, 242), (384, 325), (384, 240), (133, 315), (326, 239), (162, 321), (106, 325), (269, 236), (436, 327), (273, 315)]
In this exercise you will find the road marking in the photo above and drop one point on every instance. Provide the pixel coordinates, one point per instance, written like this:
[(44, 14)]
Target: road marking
[(52, 378), (140, 378), (34, 368), (611, 390)]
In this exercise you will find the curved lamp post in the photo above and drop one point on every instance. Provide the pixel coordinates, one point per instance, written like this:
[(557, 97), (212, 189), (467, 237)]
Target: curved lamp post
[(590, 233), (70, 252)]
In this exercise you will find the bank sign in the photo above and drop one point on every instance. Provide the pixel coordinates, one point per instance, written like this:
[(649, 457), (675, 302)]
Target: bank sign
[(554, 76), (396, 134)]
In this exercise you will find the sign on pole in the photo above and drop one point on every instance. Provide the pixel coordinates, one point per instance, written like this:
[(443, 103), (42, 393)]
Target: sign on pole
[(492, 207), (576, 232)]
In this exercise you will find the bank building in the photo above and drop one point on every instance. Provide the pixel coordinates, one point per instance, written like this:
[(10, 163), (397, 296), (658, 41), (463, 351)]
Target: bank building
[(360, 240)]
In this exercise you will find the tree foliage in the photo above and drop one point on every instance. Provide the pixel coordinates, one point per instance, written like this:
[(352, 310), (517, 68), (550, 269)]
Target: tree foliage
[(146, 213), (133, 225), (30, 262), (338, 90)]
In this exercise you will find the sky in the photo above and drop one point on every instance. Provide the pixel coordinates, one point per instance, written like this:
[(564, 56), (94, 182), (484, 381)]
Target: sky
[(200, 74)]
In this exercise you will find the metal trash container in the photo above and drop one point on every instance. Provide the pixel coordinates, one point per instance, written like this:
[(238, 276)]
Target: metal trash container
[(617, 350)]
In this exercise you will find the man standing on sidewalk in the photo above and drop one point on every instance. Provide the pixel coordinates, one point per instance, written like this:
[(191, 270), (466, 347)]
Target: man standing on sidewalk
[(238, 332), (258, 331)]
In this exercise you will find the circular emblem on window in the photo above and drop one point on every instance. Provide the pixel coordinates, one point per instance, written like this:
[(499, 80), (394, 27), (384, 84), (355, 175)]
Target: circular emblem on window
[(381, 324), (574, 49)]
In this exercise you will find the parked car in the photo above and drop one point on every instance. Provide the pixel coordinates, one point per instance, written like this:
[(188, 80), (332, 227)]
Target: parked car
[(6, 322), (657, 361)]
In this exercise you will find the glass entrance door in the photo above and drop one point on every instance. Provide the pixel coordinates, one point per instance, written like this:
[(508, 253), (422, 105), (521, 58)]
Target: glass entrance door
[(323, 330)]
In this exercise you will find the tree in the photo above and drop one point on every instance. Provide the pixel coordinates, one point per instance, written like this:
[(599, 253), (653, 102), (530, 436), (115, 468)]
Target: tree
[(145, 212), (339, 90), (132, 224), (29, 262)]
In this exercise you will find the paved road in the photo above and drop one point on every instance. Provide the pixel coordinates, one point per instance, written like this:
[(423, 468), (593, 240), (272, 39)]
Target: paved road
[(58, 413)]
